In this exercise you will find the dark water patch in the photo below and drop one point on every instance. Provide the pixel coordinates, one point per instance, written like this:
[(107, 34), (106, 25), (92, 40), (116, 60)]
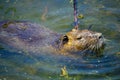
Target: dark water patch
[(1, 47)]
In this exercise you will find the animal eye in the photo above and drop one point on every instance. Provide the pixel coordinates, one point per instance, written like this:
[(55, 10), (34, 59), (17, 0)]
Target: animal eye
[(79, 38), (65, 39), (100, 37)]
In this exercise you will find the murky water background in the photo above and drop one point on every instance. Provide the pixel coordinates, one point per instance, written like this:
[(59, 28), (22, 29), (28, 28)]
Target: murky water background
[(57, 15)]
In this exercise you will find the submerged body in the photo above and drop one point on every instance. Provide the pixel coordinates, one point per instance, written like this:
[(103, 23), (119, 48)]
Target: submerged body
[(35, 38)]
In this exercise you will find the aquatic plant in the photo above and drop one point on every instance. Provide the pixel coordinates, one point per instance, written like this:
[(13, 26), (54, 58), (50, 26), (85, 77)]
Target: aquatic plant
[(64, 73)]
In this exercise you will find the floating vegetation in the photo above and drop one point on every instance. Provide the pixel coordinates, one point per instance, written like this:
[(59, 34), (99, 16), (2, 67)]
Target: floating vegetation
[(64, 75), (64, 72), (81, 16)]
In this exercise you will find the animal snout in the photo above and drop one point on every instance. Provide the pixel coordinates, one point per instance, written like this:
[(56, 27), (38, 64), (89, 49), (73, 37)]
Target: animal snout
[(99, 35)]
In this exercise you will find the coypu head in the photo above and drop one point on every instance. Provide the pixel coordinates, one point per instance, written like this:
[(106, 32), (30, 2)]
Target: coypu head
[(82, 40)]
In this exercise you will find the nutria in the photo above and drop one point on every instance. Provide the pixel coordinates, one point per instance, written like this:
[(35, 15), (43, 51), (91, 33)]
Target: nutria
[(32, 37)]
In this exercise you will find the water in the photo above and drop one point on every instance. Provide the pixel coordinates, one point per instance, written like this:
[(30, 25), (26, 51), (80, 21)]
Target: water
[(57, 15)]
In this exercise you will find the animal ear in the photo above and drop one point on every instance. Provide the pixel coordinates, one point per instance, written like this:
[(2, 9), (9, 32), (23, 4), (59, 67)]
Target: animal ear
[(73, 30), (64, 39)]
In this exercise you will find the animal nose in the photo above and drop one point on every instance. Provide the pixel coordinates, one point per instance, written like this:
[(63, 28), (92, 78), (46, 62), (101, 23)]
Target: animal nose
[(99, 35)]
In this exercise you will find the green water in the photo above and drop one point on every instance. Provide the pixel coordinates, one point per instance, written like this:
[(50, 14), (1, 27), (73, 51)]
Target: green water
[(57, 15)]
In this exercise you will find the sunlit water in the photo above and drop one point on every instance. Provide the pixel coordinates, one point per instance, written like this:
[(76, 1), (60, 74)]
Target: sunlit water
[(57, 15)]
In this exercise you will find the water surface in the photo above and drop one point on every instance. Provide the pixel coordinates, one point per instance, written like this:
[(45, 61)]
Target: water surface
[(57, 15)]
